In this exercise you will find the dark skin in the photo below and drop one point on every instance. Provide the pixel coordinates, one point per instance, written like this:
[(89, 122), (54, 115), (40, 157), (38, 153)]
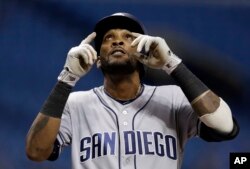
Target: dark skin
[(115, 51), (122, 84), (41, 137)]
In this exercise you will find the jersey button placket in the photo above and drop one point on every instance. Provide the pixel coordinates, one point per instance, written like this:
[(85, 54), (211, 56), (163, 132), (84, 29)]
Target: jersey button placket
[(124, 112), (125, 118), (125, 127)]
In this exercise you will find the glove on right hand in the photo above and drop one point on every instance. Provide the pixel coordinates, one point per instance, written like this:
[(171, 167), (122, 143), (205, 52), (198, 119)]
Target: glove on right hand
[(79, 61)]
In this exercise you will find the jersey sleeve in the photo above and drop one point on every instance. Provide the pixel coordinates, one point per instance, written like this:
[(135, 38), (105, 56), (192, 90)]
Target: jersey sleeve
[(65, 132)]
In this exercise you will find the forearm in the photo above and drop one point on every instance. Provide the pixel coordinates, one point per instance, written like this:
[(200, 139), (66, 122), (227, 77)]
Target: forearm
[(210, 108), (205, 103), (214, 112), (41, 137), (43, 132)]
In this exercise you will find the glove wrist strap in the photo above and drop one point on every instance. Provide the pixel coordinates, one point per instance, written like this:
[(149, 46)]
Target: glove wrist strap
[(173, 62), (68, 77)]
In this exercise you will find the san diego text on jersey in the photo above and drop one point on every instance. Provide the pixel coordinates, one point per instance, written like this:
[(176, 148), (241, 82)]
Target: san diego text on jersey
[(135, 142)]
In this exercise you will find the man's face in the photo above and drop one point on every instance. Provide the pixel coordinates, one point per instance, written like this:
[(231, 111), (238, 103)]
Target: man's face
[(116, 53)]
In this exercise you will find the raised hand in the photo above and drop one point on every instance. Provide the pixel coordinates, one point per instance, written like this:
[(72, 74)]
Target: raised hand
[(158, 54), (79, 61)]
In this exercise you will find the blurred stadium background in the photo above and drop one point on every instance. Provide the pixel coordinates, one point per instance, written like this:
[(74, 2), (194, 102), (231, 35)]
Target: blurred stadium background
[(212, 37)]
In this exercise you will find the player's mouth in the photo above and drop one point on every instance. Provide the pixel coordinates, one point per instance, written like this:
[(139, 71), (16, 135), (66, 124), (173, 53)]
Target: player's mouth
[(117, 52)]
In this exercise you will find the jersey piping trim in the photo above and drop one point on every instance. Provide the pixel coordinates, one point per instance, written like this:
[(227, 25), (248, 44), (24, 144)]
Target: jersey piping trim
[(61, 138), (133, 126), (117, 124)]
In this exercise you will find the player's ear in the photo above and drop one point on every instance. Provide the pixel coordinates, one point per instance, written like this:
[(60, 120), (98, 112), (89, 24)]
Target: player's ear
[(98, 62)]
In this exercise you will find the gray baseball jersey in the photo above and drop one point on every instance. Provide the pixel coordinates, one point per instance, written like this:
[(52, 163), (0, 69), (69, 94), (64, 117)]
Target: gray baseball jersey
[(149, 132)]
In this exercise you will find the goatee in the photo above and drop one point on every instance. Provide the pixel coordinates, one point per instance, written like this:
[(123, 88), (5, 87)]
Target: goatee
[(119, 68)]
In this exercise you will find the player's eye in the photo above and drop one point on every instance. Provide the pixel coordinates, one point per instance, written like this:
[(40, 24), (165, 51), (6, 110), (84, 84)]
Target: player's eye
[(129, 37), (108, 37)]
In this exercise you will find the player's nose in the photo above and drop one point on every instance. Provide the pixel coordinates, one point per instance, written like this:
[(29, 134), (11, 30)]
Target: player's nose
[(117, 43)]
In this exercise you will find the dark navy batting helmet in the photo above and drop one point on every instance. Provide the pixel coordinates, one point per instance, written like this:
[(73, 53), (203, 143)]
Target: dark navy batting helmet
[(119, 20), (115, 21)]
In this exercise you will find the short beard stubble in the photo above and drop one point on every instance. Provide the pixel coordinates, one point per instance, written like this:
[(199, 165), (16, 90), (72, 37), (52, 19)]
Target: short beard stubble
[(120, 68)]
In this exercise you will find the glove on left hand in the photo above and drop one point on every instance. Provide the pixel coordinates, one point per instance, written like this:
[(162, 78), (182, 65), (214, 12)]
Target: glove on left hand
[(159, 55)]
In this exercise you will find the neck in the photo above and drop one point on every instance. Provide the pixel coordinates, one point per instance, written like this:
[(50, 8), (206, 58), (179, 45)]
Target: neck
[(124, 87)]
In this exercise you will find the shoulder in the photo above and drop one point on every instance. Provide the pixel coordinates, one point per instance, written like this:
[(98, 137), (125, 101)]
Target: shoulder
[(169, 93), (80, 95), (167, 89)]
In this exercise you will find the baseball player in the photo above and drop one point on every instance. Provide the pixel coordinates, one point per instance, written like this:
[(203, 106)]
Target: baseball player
[(125, 124)]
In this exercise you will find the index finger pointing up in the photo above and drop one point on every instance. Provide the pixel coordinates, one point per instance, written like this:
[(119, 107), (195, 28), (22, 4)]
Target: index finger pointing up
[(137, 39), (136, 34), (89, 38)]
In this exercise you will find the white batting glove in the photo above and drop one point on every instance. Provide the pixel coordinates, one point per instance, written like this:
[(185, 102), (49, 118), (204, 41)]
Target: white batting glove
[(79, 61), (159, 55)]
